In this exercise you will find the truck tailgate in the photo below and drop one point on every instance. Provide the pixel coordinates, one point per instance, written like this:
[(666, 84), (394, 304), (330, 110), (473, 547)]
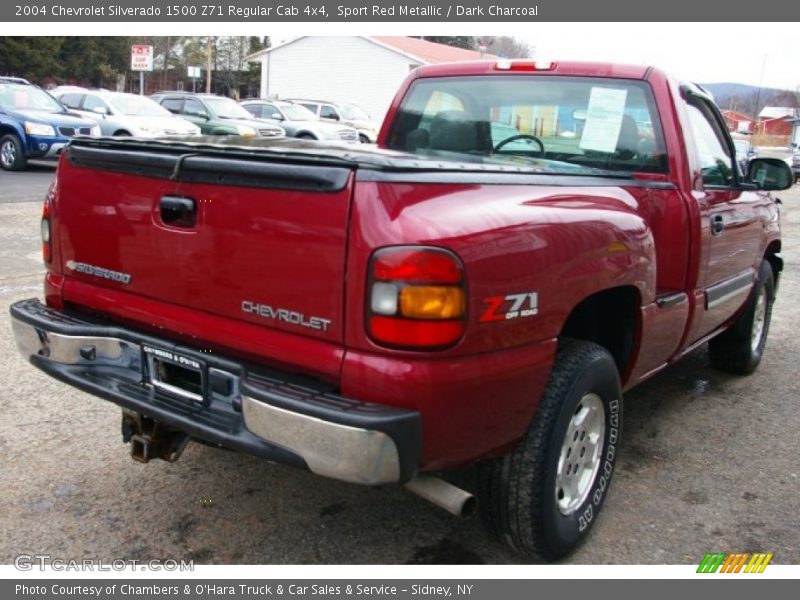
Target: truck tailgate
[(252, 239)]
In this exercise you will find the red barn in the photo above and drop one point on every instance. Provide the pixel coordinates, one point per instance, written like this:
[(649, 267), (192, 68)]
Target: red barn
[(775, 120), (737, 122)]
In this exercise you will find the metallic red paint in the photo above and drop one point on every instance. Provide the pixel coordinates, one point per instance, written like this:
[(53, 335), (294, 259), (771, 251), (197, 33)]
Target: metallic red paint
[(310, 253)]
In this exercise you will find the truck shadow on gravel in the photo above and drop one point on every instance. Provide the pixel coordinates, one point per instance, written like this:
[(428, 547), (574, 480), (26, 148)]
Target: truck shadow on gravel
[(241, 510), (217, 507)]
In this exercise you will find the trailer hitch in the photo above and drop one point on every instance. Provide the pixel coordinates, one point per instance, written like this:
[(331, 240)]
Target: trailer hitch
[(150, 439)]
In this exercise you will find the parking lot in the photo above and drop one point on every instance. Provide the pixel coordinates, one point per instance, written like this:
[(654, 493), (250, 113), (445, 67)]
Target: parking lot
[(708, 463)]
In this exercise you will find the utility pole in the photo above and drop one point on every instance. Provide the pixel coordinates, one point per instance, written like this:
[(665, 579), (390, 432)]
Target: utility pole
[(208, 65), (166, 64), (758, 94)]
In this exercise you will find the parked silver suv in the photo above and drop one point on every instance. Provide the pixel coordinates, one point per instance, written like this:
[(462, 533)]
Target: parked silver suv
[(125, 114), (345, 114), (299, 122)]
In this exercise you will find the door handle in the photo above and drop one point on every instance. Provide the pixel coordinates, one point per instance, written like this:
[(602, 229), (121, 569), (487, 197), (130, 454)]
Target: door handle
[(717, 225), (178, 212)]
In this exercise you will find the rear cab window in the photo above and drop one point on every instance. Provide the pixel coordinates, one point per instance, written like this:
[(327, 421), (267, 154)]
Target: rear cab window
[(552, 124)]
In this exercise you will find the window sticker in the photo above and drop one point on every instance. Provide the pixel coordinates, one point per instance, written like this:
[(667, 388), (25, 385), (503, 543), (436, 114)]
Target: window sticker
[(603, 119)]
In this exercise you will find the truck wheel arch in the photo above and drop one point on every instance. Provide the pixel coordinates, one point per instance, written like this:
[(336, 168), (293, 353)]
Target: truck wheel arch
[(775, 261), (609, 318), (739, 349)]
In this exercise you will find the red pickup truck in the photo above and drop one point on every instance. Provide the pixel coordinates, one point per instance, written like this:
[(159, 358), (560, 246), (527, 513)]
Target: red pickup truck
[(525, 242)]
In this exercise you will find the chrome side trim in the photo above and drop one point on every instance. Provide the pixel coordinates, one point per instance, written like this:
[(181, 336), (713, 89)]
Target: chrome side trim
[(339, 451), (727, 290)]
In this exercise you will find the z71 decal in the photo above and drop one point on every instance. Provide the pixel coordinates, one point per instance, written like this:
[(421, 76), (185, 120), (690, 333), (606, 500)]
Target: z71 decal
[(512, 306)]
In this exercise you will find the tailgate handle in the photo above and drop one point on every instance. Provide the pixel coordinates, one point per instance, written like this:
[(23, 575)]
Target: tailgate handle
[(178, 212)]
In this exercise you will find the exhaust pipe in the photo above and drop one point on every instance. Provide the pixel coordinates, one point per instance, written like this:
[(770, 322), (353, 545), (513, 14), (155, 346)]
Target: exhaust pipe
[(443, 494)]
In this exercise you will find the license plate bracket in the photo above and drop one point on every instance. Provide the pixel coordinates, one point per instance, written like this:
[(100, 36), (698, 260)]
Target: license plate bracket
[(176, 374)]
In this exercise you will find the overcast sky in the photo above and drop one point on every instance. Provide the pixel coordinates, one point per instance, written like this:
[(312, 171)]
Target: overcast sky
[(701, 52)]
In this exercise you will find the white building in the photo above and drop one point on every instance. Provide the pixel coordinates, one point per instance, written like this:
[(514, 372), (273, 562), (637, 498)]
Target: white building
[(366, 71)]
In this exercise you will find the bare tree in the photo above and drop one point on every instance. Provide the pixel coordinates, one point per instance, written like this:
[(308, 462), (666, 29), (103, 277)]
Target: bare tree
[(506, 47)]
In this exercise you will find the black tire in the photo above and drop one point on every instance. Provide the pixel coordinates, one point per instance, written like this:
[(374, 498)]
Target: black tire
[(520, 496), (363, 139), (12, 156), (739, 349), (306, 136)]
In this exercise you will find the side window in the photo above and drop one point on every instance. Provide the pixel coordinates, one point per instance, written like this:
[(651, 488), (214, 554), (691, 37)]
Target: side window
[(311, 107), (91, 102), (267, 110), (328, 112), (257, 110), (71, 100), (173, 105), (194, 108), (716, 163)]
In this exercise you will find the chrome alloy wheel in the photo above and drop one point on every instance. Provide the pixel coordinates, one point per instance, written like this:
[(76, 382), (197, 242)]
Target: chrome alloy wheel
[(581, 454), (8, 154), (759, 319)]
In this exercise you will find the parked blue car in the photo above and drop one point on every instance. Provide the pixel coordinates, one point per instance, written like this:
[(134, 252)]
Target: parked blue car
[(33, 124)]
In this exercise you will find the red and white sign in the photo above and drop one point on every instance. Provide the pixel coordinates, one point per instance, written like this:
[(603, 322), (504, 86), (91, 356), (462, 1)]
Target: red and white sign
[(141, 58)]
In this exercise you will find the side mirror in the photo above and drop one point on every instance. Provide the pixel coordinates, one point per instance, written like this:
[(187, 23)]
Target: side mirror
[(100, 110), (276, 116), (770, 174)]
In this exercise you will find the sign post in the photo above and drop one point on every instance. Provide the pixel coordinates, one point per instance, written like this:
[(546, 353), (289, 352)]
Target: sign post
[(194, 73), (141, 60)]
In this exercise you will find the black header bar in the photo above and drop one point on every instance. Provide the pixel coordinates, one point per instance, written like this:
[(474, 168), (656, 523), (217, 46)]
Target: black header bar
[(338, 11)]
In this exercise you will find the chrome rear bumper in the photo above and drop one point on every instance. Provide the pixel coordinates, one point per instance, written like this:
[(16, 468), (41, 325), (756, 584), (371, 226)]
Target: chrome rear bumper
[(266, 413)]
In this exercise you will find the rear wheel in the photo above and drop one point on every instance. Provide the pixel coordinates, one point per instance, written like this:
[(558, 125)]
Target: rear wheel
[(543, 498), (12, 157), (739, 350)]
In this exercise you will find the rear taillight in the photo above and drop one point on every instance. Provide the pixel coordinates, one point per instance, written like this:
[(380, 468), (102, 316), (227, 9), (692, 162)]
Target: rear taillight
[(47, 254), (416, 298)]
